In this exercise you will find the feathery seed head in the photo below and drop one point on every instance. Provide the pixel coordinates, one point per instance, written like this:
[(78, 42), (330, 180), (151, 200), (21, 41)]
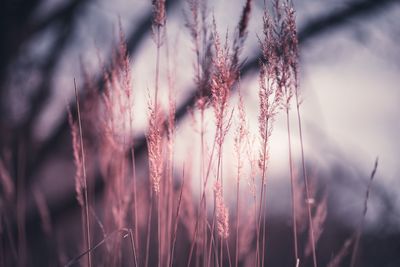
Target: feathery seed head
[(159, 17), (155, 146), (222, 212), (76, 146)]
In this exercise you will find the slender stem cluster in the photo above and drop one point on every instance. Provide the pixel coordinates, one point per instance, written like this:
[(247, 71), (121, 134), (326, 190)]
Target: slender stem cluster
[(168, 207)]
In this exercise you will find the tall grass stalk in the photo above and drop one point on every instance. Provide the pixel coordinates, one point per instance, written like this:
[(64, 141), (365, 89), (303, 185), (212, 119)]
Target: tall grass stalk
[(306, 183), (193, 23), (341, 254), (134, 201), (149, 216), (361, 226), (269, 101), (167, 237), (157, 200), (127, 92), (203, 198), (156, 164), (159, 20), (292, 182), (292, 43), (133, 247), (237, 213), (203, 203), (125, 231), (261, 203), (223, 77), (134, 179), (240, 135), (85, 191), (21, 204), (177, 219)]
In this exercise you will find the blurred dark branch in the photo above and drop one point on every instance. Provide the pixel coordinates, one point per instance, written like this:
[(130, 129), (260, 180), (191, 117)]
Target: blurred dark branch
[(24, 133), (63, 21), (133, 41), (25, 8), (17, 27), (14, 17), (336, 19), (43, 92), (59, 15), (311, 30)]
